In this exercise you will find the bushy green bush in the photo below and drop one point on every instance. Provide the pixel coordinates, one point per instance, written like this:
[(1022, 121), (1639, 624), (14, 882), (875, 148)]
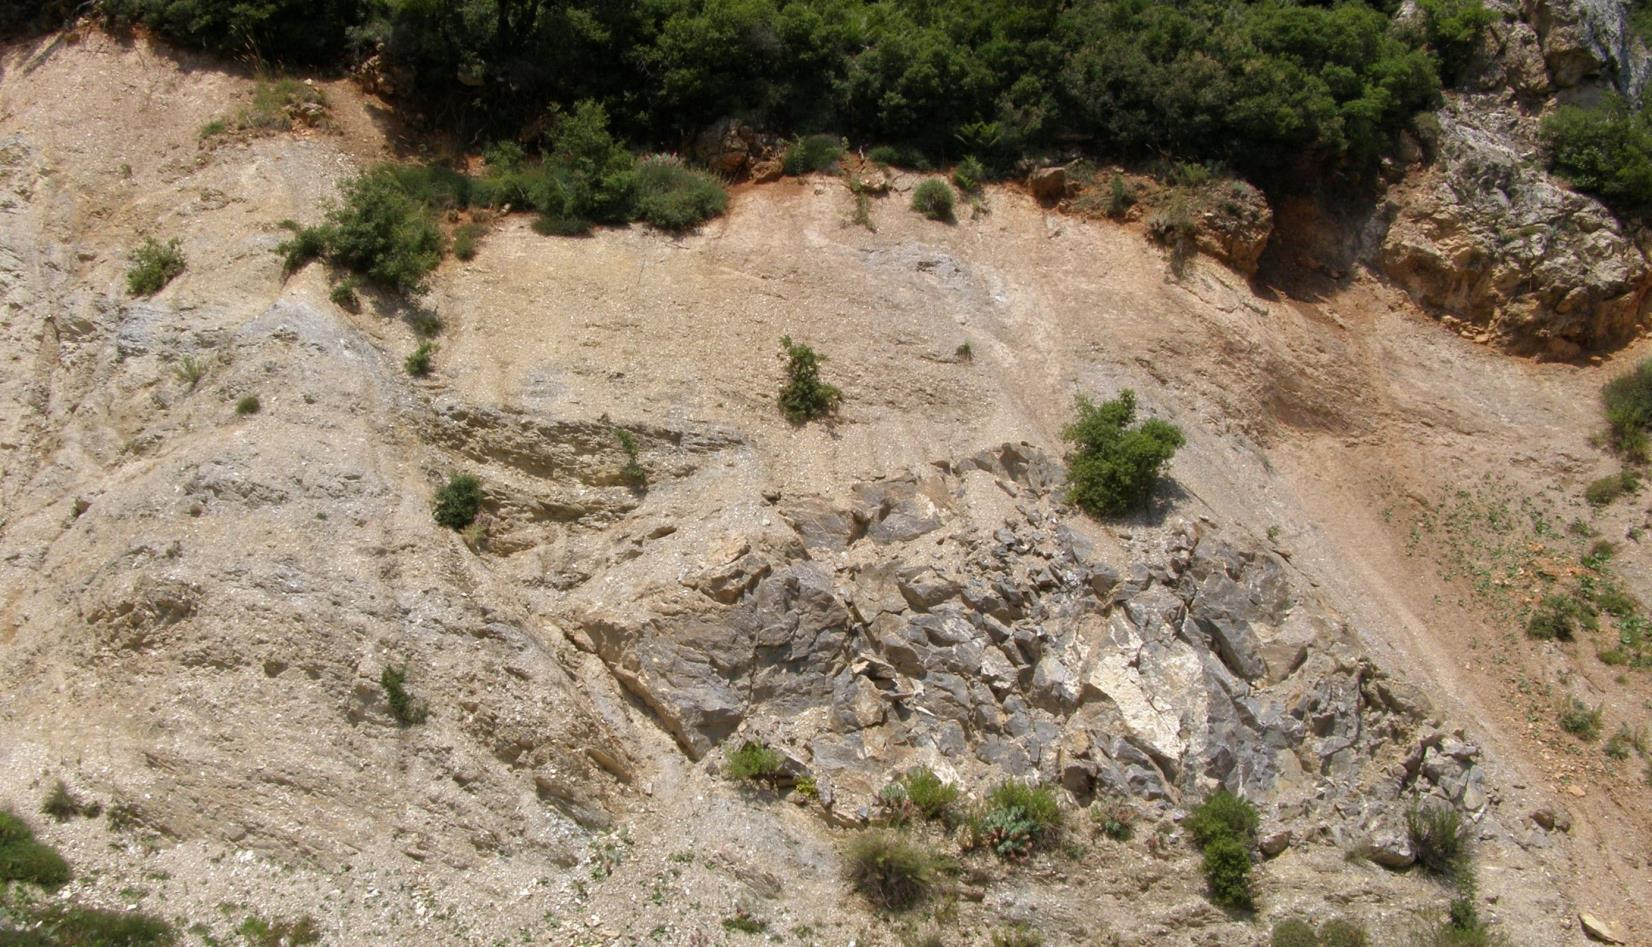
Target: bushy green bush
[(1605, 150), (248, 404), (419, 362), (1438, 837), (674, 197), (1015, 819), (1115, 463), (24, 859), (458, 501), (1227, 870), (68, 925), (1223, 814), (893, 871), (384, 233), (1293, 934), (932, 796), (403, 707), (754, 762), (933, 199), (1580, 720), (1453, 29), (1557, 618), (812, 153), (969, 175), (154, 264), (804, 396), (1627, 400), (1602, 491)]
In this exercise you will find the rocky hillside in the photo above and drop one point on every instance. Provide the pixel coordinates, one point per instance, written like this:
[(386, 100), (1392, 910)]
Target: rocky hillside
[(201, 595)]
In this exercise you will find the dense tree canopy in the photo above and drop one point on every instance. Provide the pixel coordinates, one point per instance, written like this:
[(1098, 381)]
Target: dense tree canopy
[(1259, 85)]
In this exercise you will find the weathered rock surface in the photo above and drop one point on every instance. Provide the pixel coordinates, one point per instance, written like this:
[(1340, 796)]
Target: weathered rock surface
[(1503, 251), (1234, 225)]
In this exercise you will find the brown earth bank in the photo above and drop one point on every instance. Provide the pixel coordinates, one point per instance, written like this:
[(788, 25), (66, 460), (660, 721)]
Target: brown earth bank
[(1322, 613)]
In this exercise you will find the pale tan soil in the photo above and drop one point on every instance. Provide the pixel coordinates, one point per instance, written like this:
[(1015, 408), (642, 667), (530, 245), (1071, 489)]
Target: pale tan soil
[(279, 791)]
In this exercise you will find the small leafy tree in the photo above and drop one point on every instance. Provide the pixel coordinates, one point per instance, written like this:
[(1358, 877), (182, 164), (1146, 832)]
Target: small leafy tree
[(805, 397), (458, 502), (933, 199), (1115, 463), (154, 264)]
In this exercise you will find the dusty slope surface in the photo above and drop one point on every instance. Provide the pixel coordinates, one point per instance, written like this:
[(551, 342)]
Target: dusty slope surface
[(197, 606)]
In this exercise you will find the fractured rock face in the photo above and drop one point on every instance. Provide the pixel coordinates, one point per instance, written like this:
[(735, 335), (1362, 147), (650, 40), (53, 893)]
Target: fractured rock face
[(1507, 253), (901, 625)]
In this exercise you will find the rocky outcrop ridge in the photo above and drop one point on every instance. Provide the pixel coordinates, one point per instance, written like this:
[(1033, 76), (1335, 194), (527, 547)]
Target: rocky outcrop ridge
[(960, 617)]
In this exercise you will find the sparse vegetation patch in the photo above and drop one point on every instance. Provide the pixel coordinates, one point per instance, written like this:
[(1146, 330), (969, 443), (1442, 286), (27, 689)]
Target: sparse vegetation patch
[(154, 264)]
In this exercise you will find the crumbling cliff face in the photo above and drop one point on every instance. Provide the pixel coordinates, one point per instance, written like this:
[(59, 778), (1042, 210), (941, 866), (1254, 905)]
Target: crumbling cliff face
[(197, 606), (1481, 234)]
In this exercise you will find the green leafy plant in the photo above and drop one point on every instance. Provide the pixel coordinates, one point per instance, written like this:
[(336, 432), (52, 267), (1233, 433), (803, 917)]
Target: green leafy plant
[(154, 264), (1627, 400), (804, 397), (1605, 150), (248, 404), (1341, 932), (403, 707), (190, 370), (1115, 463), (458, 502), (930, 795), (380, 230), (1227, 869), (893, 871), (969, 175), (1120, 197), (812, 153), (24, 859), (675, 197), (754, 762), (62, 804), (1438, 837), (70, 925), (1017, 935), (1580, 720), (418, 364), (343, 295), (933, 199), (1603, 491), (632, 472), (741, 922), (284, 932)]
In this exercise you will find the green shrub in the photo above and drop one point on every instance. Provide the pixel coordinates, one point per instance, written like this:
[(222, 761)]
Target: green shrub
[(1120, 197), (465, 238), (343, 295), (248, 404), (1605, 151), (900, 157), (1580, 720), (755, 763), (812, 153), (1114, 464), (73, 926), (554, 225), (1627, 400), (1293, 934), (24, 859), (891, 870), (458, 502), (804, 396), (418, 364), (1557, 617), (288, 932), (933, 199), (1604, 490), (1438, 837), (154, 264), (632, 471), (1016, 819), (969, 175), (1017, 935), (62, 804), (674, 197), (931, 796), (383, 233), (1227, 871), (1453, 29), (305, 244), (1037, 800), (1223, 815), (1340, 932), (403, 706)]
